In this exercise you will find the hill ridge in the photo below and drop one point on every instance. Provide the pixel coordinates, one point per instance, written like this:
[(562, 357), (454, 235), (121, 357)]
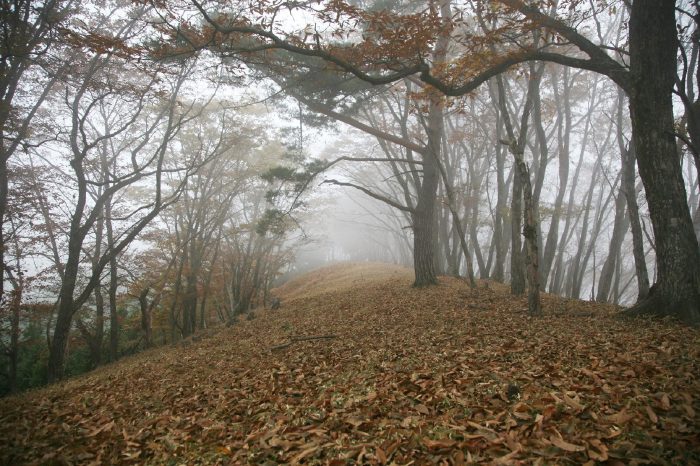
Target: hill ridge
[(445, 373)]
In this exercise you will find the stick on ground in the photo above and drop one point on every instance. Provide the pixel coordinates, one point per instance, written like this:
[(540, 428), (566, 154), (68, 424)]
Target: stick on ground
[(303, 338)]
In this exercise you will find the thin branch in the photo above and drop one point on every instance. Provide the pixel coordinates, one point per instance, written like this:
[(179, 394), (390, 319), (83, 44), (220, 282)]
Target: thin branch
[(371, 194)]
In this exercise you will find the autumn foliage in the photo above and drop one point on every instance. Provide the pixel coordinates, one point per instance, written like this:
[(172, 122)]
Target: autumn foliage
[(444, 375)]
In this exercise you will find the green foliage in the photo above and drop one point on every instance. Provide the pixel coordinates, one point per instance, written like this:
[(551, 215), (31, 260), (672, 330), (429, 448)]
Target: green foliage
[(31, 361), (273, 221), (279, 172), (297, 180), (78, 361)]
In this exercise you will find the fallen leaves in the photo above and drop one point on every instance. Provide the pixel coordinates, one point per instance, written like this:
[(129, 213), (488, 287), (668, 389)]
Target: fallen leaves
[(566, 446), (409, 375)]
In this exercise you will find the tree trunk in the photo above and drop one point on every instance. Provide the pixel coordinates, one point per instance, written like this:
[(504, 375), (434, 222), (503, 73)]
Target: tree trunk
[(620, 226), (500, 242), (13, 353), (96, 348), (628, 184), (3, 207), (66, 307), (57, 353), (563, 137), (423, 225), (112, 290), (530, 234), (146, 319), (424, 216), (653, 46), (517, 264)]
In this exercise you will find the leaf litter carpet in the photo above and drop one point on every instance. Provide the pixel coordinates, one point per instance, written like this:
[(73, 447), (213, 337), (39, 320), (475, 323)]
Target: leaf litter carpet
[(443, 375)]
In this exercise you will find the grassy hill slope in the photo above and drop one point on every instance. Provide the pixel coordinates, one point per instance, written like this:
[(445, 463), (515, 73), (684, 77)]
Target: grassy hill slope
[(444, 375)]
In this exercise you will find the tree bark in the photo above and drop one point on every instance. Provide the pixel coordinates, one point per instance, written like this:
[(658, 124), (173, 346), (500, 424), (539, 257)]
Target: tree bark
[(628, 183), (653, 46), (563, 137), (530, 235), (423, 219), (517, 264), (620, 226)]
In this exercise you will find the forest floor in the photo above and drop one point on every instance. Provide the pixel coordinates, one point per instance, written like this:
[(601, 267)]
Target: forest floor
[(443, 375)]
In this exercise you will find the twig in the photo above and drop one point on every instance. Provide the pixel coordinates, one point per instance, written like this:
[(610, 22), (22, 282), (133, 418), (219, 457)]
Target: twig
[(302, 338), (314, 337)]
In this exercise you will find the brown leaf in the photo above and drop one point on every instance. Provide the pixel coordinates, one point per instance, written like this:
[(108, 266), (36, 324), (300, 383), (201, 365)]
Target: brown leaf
[(620, 418), (439, 444), (689, 410), (304, 454), (573, 402), (381, 456), (598, 450), (103, 428), (566, 446), (355, 422), (652, 415), (421, 408)]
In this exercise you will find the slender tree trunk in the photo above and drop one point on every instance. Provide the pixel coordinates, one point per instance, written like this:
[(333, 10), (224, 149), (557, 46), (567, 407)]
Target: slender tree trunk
[(13, 353), (620, 226), (575, 269), (96, 340), (473, 232), (530, 234), (500, 242), (99, 327), (628, 185), (189, 303), (112, 291), (146, 318), (3, 208), (563, 135), (557, 280), (517, 263), (522, 190)]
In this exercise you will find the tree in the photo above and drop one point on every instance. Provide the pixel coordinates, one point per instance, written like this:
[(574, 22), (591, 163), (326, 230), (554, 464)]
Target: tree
[(199, 218), (29, 31), (648, 82), (142, 158)]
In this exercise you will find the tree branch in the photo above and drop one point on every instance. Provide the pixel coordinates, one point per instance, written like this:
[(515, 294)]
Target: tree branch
[(371, 194)]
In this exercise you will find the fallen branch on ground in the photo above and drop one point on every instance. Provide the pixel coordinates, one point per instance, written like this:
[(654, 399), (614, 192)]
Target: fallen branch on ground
[(303, 338)]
